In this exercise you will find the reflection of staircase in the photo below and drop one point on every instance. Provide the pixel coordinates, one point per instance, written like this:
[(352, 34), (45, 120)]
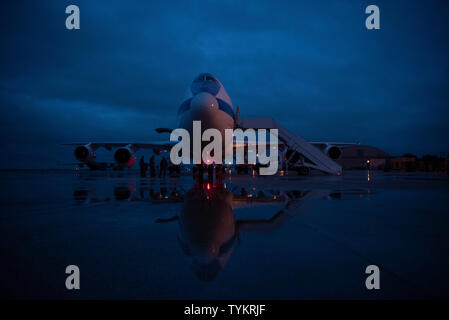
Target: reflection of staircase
[(298, 150)]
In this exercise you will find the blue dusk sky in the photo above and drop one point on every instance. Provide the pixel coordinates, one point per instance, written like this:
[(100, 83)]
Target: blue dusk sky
[(311, 65)]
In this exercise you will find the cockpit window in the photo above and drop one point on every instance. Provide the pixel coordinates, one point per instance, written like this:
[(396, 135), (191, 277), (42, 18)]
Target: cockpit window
[(209, 78), (204, 77)]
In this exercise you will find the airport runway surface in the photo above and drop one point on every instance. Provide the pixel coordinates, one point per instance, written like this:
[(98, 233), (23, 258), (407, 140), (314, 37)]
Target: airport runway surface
[(280, 238)]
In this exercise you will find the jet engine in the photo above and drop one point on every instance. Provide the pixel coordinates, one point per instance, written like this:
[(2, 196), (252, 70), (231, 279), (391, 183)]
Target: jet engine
[(85, 153), (333, 152), (125, 156)]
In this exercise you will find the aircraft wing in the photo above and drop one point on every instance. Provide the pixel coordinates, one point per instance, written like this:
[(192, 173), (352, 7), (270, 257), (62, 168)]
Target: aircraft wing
[(162, 145), (337, 144)]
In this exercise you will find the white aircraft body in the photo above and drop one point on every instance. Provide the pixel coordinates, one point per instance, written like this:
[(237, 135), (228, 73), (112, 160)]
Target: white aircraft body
[(207, 101)]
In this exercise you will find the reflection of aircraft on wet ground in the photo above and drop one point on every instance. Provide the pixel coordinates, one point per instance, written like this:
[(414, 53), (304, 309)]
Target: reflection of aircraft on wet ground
[(143, 192), (207, 101), (208, 227)]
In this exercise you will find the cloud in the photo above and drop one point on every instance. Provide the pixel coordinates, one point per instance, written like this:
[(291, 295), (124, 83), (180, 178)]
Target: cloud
[(311, 66)]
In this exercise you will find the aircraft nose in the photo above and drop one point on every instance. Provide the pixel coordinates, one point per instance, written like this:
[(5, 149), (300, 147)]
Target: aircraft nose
[(203, 101)]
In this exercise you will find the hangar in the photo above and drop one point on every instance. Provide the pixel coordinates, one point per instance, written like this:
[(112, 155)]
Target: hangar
[(362, 157)]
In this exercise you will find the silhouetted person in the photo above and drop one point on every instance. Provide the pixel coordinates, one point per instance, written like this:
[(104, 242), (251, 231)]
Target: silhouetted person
[(163, 192), (152, 167), (256, 168), (200, 174), (210, 173), (219, 170), (194, 172), (163, 167), (143, 167), (174, 170)]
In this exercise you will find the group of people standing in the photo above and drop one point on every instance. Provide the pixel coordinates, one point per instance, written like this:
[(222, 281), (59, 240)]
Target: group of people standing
[(163, 165)]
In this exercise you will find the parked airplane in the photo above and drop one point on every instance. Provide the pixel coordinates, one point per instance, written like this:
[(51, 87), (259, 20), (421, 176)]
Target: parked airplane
[(208, 102)]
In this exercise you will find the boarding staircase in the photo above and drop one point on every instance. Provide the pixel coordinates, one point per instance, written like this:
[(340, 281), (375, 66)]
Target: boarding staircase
[(310, 156)]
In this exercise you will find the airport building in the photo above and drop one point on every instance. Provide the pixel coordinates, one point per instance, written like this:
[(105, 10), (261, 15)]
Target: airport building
[(428, 163), (362, 157)]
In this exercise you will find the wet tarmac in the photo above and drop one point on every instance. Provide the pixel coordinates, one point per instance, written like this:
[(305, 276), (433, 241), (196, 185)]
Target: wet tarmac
[(248, 238)]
